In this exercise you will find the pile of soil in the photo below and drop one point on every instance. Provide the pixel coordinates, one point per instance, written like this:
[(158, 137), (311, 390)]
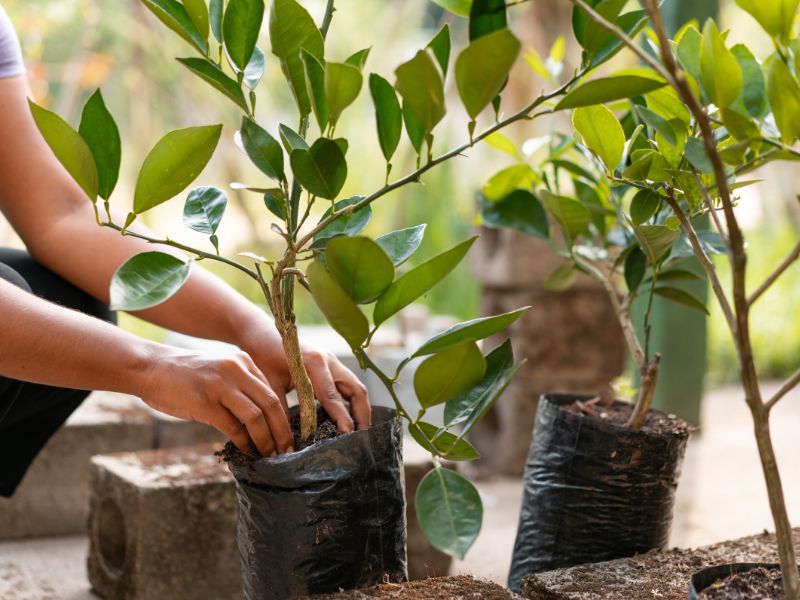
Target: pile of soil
[(458, 587), (759, 583), (618, 413), (326, 429)]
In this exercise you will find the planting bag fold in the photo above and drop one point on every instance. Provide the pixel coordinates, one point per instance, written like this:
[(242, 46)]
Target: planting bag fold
[(705, 578), (593, 491), (329, 517)]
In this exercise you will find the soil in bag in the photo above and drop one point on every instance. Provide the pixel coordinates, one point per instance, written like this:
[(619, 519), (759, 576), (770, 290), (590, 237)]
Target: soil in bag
[(330, 516), (737, 581), (594, 489)]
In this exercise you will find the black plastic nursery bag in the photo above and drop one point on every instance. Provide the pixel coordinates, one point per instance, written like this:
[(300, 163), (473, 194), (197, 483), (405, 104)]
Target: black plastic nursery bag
[(707, 577), (329, 517), (593, 491)]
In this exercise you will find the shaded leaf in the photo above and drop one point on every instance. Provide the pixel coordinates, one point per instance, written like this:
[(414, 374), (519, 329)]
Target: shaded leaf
[(342, 85), (476, 329), (634, 269), (442, 376), (681, 297), (174, 15), (414, 129), (655, 240), (240, 28), (571, 215), (322, 169), (440, 46), (444, 444), (275, 201), (100, 133), (214, 76), (340, 311), (644, 205), (263, 149), (607, 89), (349, 224), (315, 85), (215, 12), (420, 84), (360, 266), (519, 210), (561, 278), (388, 114), (291, 140)]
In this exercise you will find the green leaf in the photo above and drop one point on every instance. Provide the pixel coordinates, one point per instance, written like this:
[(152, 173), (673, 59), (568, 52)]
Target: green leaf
[(595, 35), (505, 181), (414, 129), (740, 126), (315, 85), (444, 375), (322, 169), (292, 28), (215, 12), (482, 69), (204, 209), (240, 28), (198, 13), (275, 201), (360, 266), (784, 97), (561, 278), (214, 76), (719, 69), (388, 114), (340, 311), (417, 281), (254, 70), (570, 214), (449, 510), (644, 205), (146, 280), (499, 141), (695, 153), (349, 224), (100, 133), (655, 240), (342, 85), (476, 329), (69, 148), (678, 275), (401, 244), (445, 444), (470, 407), (608, 89), (658, 124), (681, 297), (440, 46), (457, 7), (631, 23), (754, 86), (291, 140), (420, 84), (602, 133), (635, 268), (666, 103), (173, 163), (519, 210), (173, 14), (358, 59), (485, 17), (264, 150), (775, 16)]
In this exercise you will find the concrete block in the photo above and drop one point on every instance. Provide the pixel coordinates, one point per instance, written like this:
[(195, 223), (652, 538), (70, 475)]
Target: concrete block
[(53, 498), (162, 524)]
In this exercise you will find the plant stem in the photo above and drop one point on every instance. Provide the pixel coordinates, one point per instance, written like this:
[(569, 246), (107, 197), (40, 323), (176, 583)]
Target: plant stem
[(793, 256), (647, 389), (787, 387), (387, 381)]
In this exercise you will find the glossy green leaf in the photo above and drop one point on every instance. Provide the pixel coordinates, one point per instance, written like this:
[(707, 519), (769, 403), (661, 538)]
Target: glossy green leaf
[(146, 280), (658, 124), (486, 17), (275, 201), (420, 84), (214, 76), (740, 126), (291, 140), (69, 148), (315, 85), (322, 169), (444, 375), (173, 163), (215, 12), (348, 224), (631, 23), (198, 13), (292, 28), (681, 297), (644, 205), (469, 407), (358, 59), (340, 311), (754, 86), (784, 98), (561, 278), (174, 15), (570, 214), (678, 275), (719, 69), (458, 7), (608, 89), (445, 444), (414, 129), (695, 153), (401, 244), (342, 85), (417, 281), (505, 181), (775, 16), (440, 46), (360, 267), (482, 69), (634, 269), (595, 35), (666, 103), (655, 240), (100, 133), (449, 510), (601, 132), (388, 114), (689, 51), (240, 28), (264, 150), (519, 210), (254, 70), (204, 208), (476, 329)]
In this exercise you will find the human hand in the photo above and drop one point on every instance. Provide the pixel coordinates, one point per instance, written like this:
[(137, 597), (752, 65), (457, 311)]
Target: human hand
[(225, 390)]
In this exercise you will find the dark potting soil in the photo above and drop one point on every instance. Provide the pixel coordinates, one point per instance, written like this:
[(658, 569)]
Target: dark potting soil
[(326, 429), (759, 584), (618, 413), (458, 587)]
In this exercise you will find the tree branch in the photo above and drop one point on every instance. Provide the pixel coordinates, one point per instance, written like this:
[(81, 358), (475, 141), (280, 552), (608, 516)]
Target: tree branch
[(788, 261), (787, 387)]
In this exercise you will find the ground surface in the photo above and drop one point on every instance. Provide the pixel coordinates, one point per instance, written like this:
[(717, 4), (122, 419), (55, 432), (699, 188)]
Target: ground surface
[(461, 587)]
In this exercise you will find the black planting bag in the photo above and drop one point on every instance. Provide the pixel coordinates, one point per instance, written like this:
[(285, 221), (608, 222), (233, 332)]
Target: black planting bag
[(593, 491), (329, 517)]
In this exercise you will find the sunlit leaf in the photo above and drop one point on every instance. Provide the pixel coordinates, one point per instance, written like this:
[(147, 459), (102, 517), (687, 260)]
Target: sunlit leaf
[(146, 280)]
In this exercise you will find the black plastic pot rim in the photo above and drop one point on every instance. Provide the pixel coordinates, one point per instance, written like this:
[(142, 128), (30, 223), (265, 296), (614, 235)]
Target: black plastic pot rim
[(704, 578)]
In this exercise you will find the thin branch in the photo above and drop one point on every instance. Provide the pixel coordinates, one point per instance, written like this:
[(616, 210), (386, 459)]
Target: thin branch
[(788, 261), (326, 20), (787, 387), (710, 205)]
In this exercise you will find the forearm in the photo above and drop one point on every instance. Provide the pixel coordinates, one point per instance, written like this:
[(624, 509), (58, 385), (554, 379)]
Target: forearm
[(44, 343)]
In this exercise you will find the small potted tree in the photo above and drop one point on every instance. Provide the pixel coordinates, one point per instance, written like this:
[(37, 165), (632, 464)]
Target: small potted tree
[(331, 515)]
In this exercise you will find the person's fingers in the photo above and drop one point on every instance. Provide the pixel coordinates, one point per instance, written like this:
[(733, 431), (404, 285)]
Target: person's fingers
[(328, 395), (267, 400), (252, 417), (355, 391), (222, 420), (277, 389)]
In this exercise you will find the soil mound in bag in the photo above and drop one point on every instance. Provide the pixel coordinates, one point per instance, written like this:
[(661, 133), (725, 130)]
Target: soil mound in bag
[(594, 490), (329, 517), (718, 576)]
